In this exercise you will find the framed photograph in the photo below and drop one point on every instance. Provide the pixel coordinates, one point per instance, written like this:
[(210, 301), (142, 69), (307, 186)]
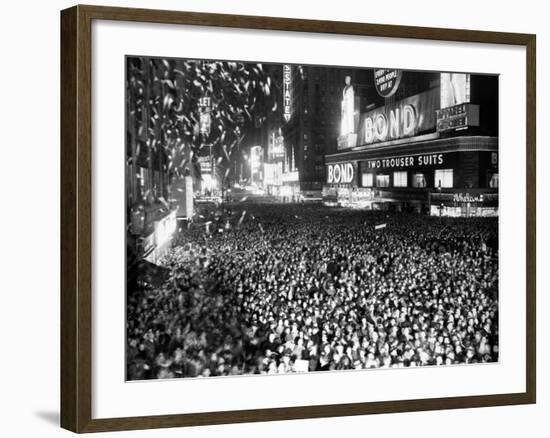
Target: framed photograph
[(270, 219)]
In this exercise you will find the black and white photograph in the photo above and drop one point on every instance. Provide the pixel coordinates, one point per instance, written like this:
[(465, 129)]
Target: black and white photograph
[(285, 218)]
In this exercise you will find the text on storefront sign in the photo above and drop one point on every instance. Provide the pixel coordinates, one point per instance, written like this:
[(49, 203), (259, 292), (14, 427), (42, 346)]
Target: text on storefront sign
[(404, 119), (341, 173), (418, 160), (457, 117), (399, 122)]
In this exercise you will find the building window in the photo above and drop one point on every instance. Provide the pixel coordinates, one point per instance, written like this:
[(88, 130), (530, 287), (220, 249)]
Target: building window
[(419, 180), (493, 180), (444, 178), (367, 180), (400, 179), (382, 180)]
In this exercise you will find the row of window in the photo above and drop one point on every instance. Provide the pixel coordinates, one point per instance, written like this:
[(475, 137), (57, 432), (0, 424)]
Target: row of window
[(443, 178)]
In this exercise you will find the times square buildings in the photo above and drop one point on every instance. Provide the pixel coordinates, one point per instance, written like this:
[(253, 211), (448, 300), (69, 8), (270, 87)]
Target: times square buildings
[(386, 139), (362, 138)]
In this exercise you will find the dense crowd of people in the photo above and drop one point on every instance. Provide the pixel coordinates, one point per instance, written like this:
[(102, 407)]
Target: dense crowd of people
[(281, 288)]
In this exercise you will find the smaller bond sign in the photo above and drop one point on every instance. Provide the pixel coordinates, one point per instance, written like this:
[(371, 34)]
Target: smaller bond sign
[(387, 81)]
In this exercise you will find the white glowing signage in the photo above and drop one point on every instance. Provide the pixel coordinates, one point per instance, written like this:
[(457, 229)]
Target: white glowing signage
[(466, 197), (396, 123), (387, 81), (403, 119), (340, 173), (407, 161), (287, 98), (457, 117), (455, 89), (205, 120), (164, 229), (347, 125), (205, 164), (278, 146), (255, 157), (273, 173)]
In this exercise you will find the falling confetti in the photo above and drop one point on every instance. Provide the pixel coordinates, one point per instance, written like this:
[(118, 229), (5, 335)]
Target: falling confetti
[(163, 97)]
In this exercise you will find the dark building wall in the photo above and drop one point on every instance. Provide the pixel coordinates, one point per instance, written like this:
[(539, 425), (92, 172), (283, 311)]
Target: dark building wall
[(484, 92), (467, 174), (414, 82), (488, 165)]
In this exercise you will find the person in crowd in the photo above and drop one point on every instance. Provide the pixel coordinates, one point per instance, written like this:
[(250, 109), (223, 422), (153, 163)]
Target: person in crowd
[(298, 284)]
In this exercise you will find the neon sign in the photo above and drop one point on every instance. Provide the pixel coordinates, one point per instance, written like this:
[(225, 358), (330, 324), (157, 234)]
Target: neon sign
[(287, 99), (387, 81), (340, 173), (397, 123)]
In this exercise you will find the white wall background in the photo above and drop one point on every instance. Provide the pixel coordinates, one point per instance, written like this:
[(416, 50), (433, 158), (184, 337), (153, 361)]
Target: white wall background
[(29, 216)]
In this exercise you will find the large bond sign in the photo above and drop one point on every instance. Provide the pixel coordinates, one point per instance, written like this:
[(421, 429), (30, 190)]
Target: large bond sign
[(404, 118)]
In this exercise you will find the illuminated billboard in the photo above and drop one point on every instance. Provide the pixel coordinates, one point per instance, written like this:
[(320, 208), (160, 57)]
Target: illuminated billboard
[(457, 117), (386, 81), (277, 145), (273, 174), (347, 125), (205, 120), (341, 173), (287, 97), (405, 118), (455, 89), (205, 164)]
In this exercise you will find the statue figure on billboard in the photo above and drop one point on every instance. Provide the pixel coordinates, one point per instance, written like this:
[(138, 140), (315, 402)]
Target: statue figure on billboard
[(348, 108), (453, 89)]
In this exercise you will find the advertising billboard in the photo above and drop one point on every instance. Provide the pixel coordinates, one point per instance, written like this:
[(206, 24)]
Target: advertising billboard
[(205, 164), (457, 117), (405, 118), (387, 81), (287, 85), (341, 173), (455, 89)]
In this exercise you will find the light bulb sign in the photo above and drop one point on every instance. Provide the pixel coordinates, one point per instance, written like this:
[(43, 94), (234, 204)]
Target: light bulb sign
[(340, 173), (396, 123), (403, 119), (387, 81), (205, 120), (287, 84)]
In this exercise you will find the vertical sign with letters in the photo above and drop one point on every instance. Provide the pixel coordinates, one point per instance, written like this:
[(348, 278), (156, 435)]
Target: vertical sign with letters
[(287, 98)]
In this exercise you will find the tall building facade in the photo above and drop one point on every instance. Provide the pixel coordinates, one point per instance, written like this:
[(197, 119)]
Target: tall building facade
[(150, 215), (310, 124)]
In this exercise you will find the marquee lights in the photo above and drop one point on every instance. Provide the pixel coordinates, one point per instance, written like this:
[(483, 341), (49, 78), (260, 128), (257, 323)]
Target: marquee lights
[(287, 98), (399, 122)]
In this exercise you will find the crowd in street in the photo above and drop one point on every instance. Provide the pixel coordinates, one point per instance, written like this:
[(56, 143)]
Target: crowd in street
[(273, 289)]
